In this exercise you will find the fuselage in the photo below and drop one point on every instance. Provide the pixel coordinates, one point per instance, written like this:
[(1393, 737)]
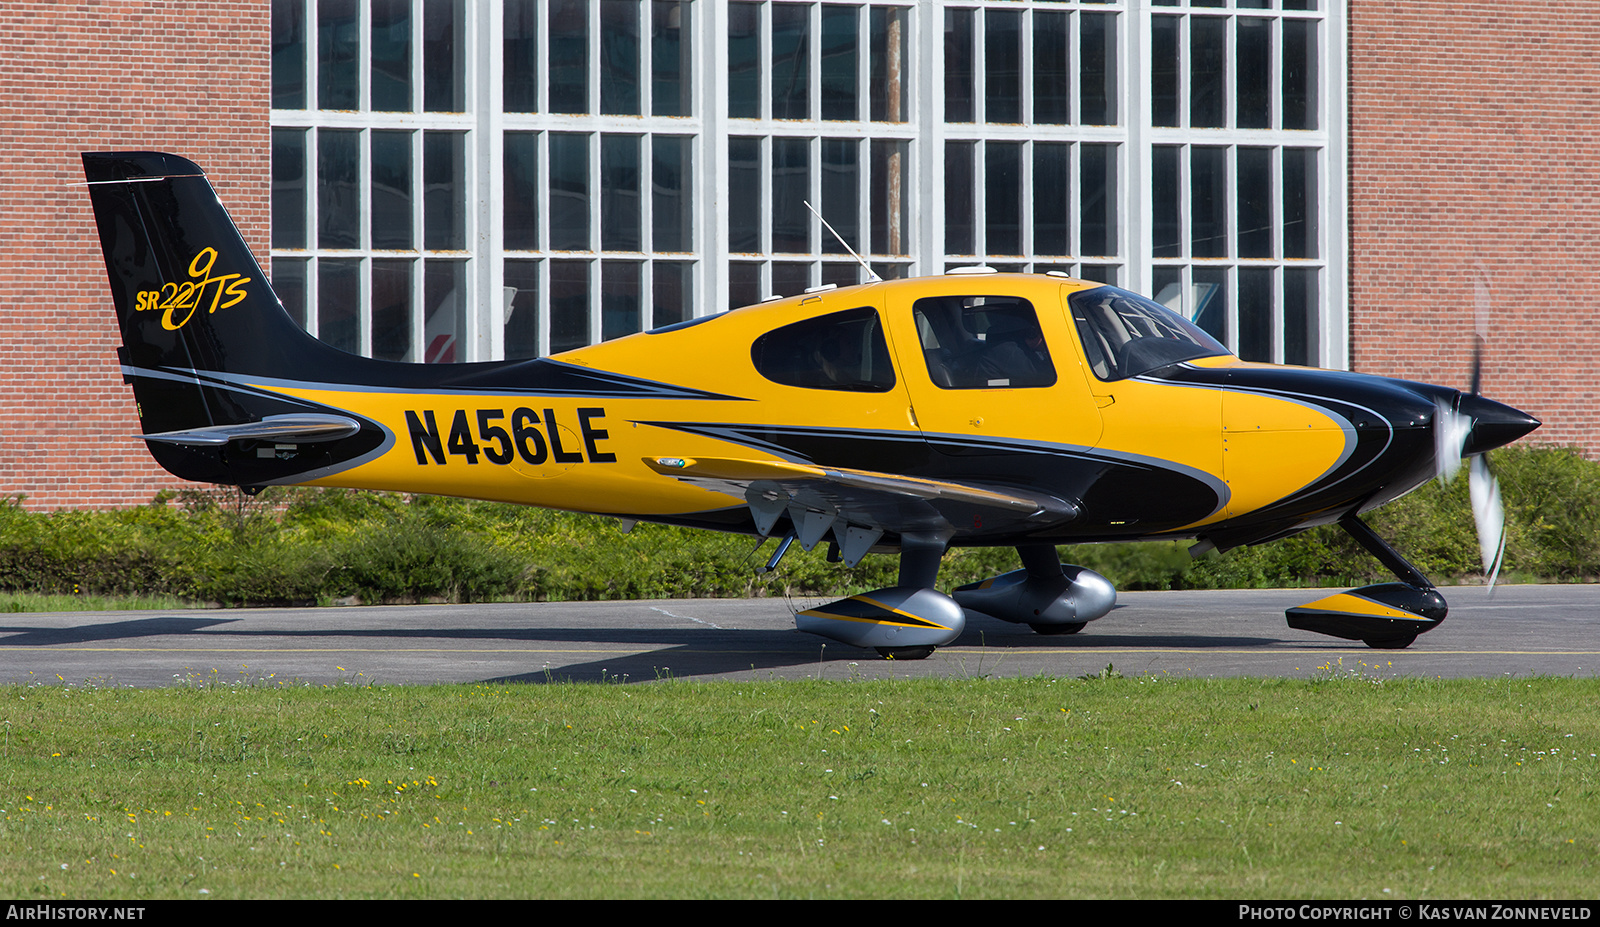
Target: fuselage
[(891, 378)]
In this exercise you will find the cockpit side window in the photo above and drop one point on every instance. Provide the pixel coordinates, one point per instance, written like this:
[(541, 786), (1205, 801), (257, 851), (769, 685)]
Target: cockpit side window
[(1125, 335), (982, 342), (841, 351)]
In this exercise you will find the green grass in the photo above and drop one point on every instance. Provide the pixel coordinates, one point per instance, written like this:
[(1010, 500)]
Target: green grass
[(1335, 786)]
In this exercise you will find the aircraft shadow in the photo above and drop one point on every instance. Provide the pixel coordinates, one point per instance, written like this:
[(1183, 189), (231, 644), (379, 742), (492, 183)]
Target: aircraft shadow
[(676, 653)]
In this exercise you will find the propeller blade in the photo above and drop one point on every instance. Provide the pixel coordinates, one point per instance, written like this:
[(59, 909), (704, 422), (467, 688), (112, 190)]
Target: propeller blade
[(1488, 513), (1450, 431)]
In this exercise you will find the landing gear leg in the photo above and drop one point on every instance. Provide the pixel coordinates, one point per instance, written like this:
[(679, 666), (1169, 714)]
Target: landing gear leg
[(1387, 616)]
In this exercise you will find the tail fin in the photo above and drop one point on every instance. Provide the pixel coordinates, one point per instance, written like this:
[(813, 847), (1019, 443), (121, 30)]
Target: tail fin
[(198, 321)]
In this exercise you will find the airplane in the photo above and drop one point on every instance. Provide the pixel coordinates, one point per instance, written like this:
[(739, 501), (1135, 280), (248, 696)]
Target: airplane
[(905, 417)]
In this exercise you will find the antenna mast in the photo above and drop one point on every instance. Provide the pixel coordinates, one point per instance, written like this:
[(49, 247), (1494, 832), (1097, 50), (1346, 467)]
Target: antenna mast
[(871, 276)]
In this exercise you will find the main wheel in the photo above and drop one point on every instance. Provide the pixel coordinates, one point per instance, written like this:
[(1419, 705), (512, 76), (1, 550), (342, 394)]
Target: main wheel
[(905, 653), (1393, 643), (1058, 628)]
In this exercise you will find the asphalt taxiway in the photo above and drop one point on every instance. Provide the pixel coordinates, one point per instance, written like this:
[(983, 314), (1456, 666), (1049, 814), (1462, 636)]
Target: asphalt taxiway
[(1520, 631)]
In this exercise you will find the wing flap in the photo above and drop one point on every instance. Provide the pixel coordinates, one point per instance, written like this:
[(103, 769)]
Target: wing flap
[(859, 506)]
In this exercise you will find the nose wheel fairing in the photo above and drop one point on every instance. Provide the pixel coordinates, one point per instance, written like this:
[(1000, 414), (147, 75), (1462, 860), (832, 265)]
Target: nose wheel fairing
[(1386, 616)]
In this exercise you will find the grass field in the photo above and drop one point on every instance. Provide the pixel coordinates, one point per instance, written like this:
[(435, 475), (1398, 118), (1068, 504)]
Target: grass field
[(1338, 786)]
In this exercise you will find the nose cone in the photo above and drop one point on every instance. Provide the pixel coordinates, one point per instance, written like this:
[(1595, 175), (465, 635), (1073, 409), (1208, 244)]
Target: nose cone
[(1493, 424)]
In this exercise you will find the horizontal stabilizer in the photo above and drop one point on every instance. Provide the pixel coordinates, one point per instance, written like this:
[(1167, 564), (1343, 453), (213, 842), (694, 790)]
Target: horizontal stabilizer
[(283, 429)]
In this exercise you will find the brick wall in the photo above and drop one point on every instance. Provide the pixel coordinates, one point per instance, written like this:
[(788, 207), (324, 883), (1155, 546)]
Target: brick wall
[(1475, 147), (190, 78)]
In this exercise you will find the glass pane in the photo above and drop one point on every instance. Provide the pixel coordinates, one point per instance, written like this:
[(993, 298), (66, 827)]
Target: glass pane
[(443, 86), (888, 65), (520, 205), (522, 323), (289, 283), (520, 52), (790, 279), (1209, 301), (1164, 70), (1099, 273), (1208, 202), (569, 193), (841, 193), (669, 293), (1166, 232), (841, 351), (569, 56), (979, 342), (619, 57), (619, 299), (958, 66), (569, 305), (1299, 74), (391, 310), (791, 188), (391, 56), (1300, 203), (1166, 288), (444, 301), (959, 208), (744, 60), (1050, 76), (620, 228), (1254, 48), (288, 54), (1255, 314), (841, 274), (1002, 177), (288, 188), (744, 186), (338, 188), (339, 304), (1208, 38), (1002, 66), (1052, 193), (889, 190), (1097, 192), (338, 47), (1255, 203), (670, 192), (444, 192), (1300, 4), (1300, 326), (791, 60), (391, 191), (839, 40), (744, 284), (1097, 90), (669, 58)]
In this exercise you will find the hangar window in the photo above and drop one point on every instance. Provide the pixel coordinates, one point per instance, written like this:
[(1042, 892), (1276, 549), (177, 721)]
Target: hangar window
[(841, 351), (982, 342)]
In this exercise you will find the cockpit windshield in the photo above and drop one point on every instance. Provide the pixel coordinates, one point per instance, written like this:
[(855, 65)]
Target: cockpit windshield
[(1125, 334)]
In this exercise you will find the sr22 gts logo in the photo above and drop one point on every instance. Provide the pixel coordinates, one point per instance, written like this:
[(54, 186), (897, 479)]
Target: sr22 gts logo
[(534, 439), (178, 302)]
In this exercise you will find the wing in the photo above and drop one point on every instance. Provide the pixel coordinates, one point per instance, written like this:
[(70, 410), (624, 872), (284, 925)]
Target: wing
[(860, 506)]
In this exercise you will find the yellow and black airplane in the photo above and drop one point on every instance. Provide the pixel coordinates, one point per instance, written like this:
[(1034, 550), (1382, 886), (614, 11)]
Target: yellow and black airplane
[(902, 417)]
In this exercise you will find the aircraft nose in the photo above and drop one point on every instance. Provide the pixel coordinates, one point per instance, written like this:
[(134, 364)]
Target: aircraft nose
[(1493, 424)]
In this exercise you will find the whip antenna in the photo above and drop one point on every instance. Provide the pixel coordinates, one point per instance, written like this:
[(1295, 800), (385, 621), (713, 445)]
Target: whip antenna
[(871, 276)]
